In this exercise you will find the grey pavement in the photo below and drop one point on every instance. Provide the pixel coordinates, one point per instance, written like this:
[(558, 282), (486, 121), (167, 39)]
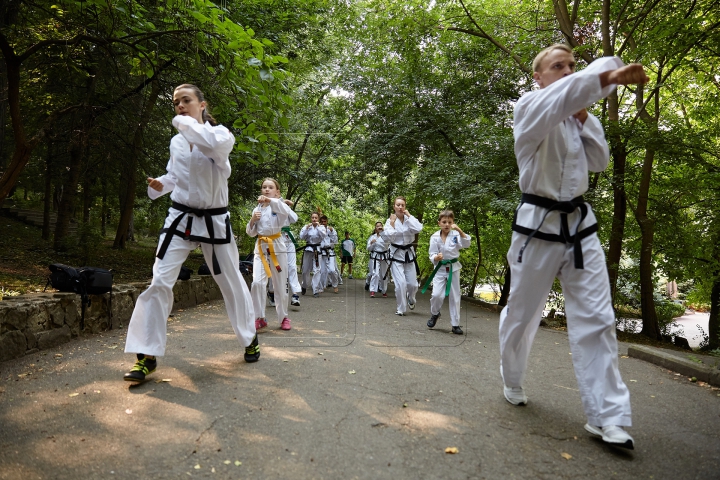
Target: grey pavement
[(352, 391)]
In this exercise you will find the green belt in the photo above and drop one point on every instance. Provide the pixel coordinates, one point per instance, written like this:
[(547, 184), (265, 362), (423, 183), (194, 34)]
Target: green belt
[(449, 279), (287, 230)]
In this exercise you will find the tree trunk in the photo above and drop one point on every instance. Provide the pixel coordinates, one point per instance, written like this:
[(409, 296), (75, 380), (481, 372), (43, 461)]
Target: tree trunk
[(650, 326), (505, 292), (67, 203), (104, 209), (473, 285), (47, 201), (87, 197), (128, 188)]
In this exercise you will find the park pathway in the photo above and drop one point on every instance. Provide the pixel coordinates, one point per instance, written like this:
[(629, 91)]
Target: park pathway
[(352, 391)]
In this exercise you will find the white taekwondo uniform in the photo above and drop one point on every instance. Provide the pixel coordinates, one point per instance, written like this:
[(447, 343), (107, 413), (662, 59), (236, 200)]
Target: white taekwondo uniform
[(450, 250), (554, 235), (328, 265), (270, 241), (403, 259), (197, 179), (311, 258), (378, 263)]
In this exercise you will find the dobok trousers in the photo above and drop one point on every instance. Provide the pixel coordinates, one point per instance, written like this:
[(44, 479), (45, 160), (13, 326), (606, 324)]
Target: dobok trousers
[(590, 322), (147, 332)]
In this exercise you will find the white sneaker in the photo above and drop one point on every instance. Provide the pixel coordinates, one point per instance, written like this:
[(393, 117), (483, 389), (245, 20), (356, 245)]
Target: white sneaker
[(399, 313), (350, 276), (411, 304), (613, 435), (515, 395), (341, 282)]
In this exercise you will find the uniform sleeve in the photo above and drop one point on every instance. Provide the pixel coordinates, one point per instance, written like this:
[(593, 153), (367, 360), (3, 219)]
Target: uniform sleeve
[(597, 152), (322, 232), (539, 111), (434, 248), (216, 142), (168, 181), (251, 228), (389, 232), (292, 217), (464, 242), (281, 209), (413, 225), (304, 233), (369, 242)]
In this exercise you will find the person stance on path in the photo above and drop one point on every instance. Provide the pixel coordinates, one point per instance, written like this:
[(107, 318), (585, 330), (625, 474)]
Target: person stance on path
[(197, 177), (554, 234)]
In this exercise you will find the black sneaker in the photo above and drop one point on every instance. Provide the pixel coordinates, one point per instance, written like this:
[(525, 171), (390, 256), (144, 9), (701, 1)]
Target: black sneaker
[(457, 330), (271, 298), (295, 302), (367, 286), (144, 366), (433, 320), (303, 289), (252, 352)]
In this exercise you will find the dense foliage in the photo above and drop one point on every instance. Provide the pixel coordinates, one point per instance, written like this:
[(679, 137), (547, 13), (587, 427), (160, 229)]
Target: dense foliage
[(348, 104)]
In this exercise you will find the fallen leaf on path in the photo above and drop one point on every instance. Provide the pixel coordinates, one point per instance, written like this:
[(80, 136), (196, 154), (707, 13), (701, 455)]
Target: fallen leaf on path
[(58, 355), (404, 405), (633, 380), (286, 360), (351, 372), (97, 391), (73, 395), (566, 456), (212, 469), (114, 346), (320, 353), (624, 356), (128, 411), (197, 467), (452, 450), (237, 464), (321, 321)]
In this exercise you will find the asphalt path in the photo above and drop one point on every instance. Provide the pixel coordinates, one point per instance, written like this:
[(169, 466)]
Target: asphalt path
[(352, 391)]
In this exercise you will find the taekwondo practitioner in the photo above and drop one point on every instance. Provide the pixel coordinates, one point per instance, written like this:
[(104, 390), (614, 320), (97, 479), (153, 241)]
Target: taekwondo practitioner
[(554, 234), (328, 265), (445, 245), (400, 230), (197, 177), (313, 233), (378, 263), (270, 253)]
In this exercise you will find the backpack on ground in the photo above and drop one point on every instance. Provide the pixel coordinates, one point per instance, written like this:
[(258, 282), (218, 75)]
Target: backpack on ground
[(84, 281)]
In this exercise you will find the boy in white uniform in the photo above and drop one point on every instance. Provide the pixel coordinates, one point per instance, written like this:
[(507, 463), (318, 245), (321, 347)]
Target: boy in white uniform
[(400, 231), (445, 245), (378, 264), (292, 247), (556, 143)]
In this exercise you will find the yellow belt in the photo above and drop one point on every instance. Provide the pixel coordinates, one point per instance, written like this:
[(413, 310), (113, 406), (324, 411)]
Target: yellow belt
[(270, 250)]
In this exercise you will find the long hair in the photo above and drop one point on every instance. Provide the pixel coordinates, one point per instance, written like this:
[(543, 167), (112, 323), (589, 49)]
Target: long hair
[(201, 98)]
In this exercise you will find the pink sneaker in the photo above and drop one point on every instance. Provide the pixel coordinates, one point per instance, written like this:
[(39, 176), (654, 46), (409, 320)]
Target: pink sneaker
[(285, 324), (372, 294), (260, 323)]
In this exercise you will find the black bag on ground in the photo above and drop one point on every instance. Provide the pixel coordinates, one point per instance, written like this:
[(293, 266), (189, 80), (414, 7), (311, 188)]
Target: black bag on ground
[(204, 269), (185, 273), (63, 278), (96, 280)]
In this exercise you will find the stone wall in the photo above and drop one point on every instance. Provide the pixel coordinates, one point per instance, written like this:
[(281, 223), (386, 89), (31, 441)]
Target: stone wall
[(29, 323)]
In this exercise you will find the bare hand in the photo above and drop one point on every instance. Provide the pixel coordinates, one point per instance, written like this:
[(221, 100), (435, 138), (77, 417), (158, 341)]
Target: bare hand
[(263, 199), (454, 227), (155, 184), (582, 115), (373, 241), (631, 74), (256, 215), (438, 257), (289, 203)]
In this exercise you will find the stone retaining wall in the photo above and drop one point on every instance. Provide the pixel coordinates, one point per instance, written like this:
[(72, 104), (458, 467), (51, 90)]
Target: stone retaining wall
[(29, 323)]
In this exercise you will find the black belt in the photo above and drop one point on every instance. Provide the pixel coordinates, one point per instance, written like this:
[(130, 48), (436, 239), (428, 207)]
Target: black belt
[(382, 256), (207, 214), (314, 247), (329, 251), (407, 256), (564, 236)]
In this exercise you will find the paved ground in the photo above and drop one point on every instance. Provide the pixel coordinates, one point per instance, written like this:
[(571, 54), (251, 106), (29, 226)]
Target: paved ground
[(351, 392)]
